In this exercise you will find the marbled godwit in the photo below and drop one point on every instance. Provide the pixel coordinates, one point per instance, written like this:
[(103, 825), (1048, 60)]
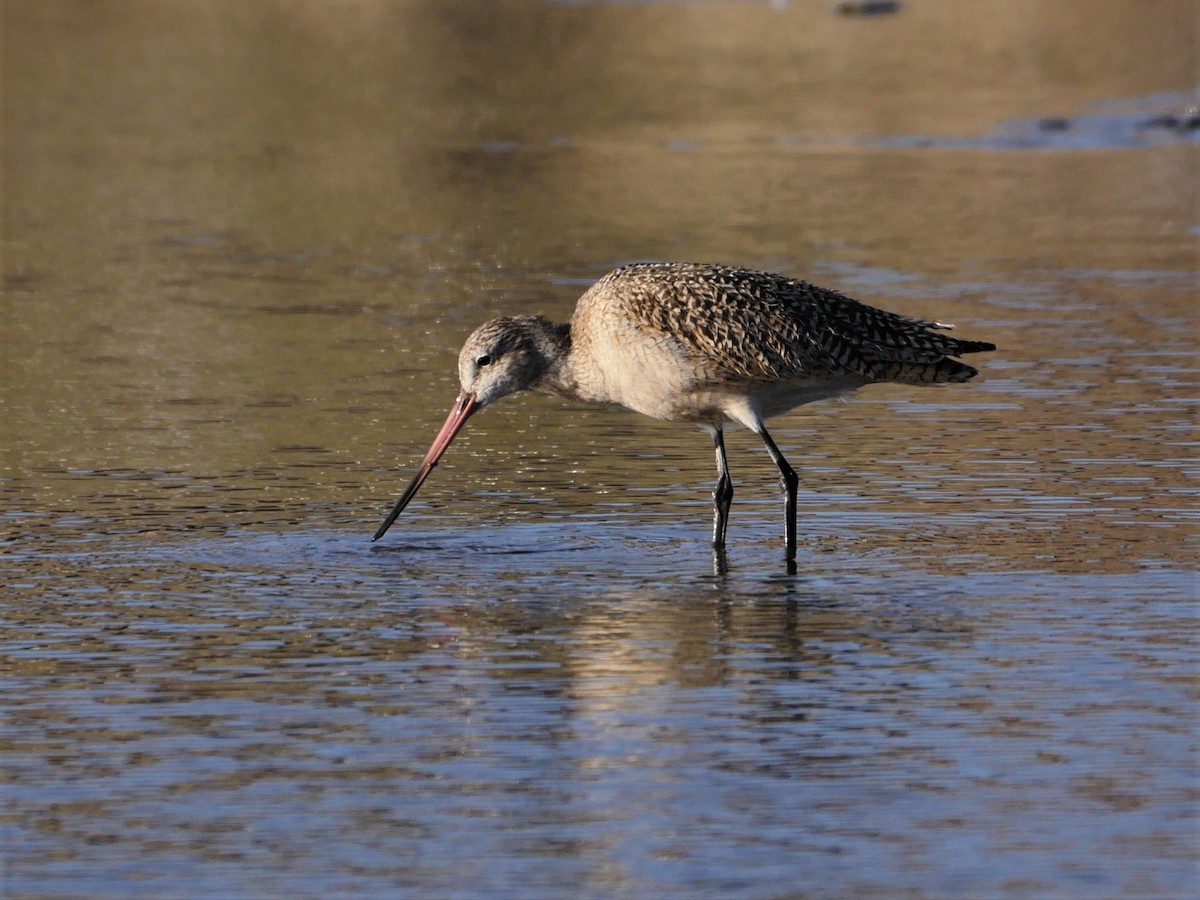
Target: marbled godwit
[(704, 344)]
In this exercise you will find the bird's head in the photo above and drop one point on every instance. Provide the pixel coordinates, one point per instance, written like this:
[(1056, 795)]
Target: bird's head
[(501, 357)]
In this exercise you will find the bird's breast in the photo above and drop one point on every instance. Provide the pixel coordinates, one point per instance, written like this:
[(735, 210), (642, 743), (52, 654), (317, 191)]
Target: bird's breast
[(647, 373)]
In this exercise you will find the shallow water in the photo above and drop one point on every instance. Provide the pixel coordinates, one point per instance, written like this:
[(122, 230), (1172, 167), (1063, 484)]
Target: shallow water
[(242, 246)]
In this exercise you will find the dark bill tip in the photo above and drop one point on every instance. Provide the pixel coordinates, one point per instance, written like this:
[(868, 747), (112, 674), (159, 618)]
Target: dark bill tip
[(462, 409)]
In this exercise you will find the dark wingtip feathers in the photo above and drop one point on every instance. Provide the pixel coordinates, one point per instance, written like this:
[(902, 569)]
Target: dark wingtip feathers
[(975, 346)]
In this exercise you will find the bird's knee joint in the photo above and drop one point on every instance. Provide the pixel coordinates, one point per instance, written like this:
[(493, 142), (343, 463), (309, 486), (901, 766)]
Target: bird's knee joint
[(723, 492)]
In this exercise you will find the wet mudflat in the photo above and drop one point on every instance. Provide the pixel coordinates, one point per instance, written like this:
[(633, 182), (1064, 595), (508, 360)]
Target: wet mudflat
[(242, 246)]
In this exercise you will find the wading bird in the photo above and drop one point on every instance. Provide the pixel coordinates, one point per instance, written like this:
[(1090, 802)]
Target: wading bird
[(705, 344)]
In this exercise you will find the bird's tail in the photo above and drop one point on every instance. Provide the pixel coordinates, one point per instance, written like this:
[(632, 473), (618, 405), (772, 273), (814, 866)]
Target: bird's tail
[(972, 347), (942, 369)]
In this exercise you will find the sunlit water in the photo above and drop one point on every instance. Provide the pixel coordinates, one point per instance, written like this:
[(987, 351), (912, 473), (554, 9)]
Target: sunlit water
[(581, 703), (235, 282)]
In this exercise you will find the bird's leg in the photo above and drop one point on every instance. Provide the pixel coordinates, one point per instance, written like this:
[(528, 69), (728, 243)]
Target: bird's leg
[(790, 482), (723, 493)]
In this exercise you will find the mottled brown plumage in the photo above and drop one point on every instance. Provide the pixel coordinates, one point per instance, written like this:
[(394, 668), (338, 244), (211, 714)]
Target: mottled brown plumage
[(705, 344), (760, 326)]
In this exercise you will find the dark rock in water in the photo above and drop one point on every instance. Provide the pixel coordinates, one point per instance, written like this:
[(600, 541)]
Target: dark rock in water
[(1054, 123), (1189, 120), (868, 7)]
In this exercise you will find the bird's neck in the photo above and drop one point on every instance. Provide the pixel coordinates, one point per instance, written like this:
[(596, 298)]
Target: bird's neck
[(553, 343)]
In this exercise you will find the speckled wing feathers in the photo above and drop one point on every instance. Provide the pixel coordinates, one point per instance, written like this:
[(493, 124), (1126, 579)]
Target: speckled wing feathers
[(744, 324)]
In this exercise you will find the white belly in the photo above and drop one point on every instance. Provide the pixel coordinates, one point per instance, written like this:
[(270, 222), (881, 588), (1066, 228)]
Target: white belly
[(654, 376)]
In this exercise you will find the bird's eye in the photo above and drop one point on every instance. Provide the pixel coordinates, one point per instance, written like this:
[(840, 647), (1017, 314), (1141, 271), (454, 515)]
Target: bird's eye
[(483, 360)]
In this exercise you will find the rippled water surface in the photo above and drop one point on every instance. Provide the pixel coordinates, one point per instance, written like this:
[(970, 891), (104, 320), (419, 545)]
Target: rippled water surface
[(242, 246)]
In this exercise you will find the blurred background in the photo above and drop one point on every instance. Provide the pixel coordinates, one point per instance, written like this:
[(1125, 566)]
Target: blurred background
[(220, 219), (242, 243)]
